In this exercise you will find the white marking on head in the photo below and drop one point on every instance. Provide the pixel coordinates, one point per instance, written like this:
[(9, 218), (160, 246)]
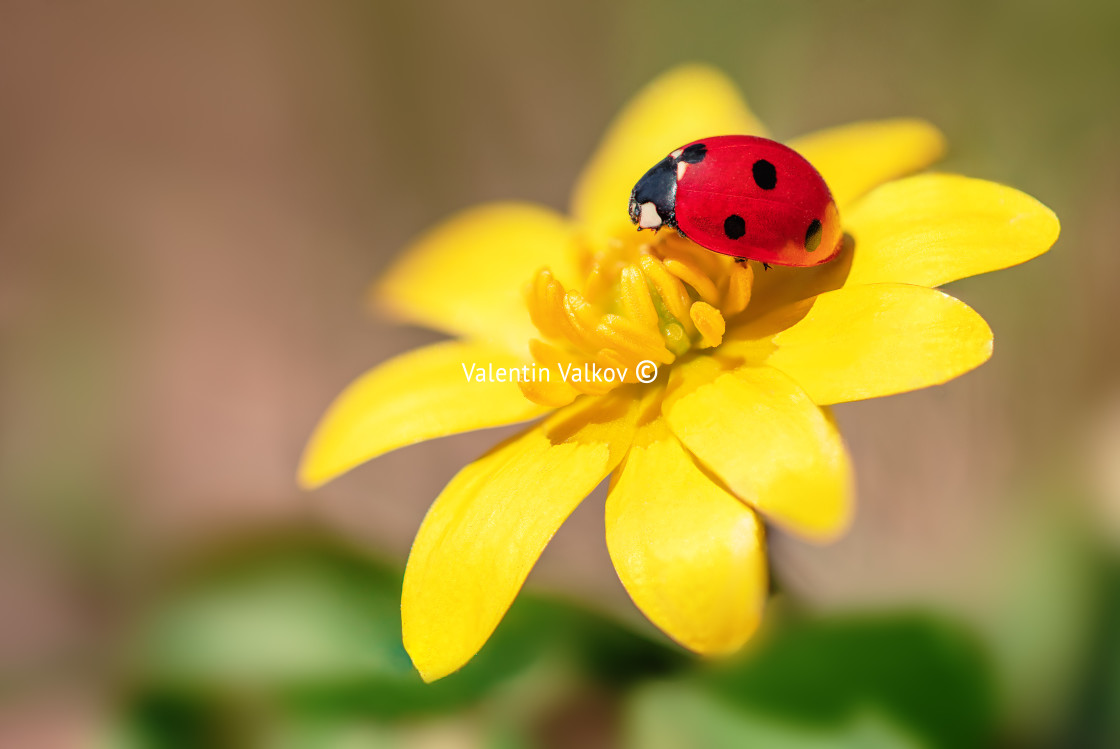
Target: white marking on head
[(681, 166), (677, 154), (649, 218)]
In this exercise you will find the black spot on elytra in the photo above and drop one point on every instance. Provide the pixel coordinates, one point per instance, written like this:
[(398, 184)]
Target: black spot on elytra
[(734, 226), (813, 236), (694, 154), (765, 175)]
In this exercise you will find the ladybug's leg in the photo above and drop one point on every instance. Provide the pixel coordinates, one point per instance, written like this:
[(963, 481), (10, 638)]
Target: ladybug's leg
[(766, 266), (740, 260)]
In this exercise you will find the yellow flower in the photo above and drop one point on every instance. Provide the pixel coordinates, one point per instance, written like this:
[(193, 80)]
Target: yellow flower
[(735, 426)]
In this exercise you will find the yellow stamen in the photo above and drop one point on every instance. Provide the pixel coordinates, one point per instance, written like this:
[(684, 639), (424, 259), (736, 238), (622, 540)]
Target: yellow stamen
[(545, 298), (626, 337), (740, 281), (614, 359), (634, 298), (579, 321), (669, 287), (709, 322), (650, 301), (599, 280), (556, 360), (688, 272), (555, 392)]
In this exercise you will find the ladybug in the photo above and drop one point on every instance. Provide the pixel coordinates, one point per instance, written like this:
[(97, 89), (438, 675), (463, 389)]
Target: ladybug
[(744, 196)]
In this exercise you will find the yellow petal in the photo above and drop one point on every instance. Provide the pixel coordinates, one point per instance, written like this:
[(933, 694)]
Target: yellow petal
[(485, 531), (935, 228), (855, 158), (763, 437), (689, 102), (426, 393), (867, 341), (691, 555), (466, 275)]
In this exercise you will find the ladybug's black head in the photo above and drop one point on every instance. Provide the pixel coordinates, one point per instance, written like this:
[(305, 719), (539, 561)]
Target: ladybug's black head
[(653, 200)]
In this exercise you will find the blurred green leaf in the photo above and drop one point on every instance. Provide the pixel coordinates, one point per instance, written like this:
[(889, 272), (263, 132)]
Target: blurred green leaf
[(682, 715), (303, 633), (309, 622), (281, 618), (900, 681), (166, 721), (1096, 718)]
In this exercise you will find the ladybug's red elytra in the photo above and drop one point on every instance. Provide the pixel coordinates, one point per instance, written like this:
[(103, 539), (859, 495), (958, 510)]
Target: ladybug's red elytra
[(744, 196)]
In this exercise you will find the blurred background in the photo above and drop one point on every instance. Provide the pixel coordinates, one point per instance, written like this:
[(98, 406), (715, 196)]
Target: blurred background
[(193, 200)]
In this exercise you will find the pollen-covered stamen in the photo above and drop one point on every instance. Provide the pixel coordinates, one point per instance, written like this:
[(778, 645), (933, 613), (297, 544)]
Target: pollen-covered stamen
[(543, 299), (551, 356), (647, 301), (581, 337), (712, 264), (602, 278), (580, 321), (670, 289), (737, 287), (692, 275), (634, 299), (556, 390), (630, 338), (609, 332), (709, 322)]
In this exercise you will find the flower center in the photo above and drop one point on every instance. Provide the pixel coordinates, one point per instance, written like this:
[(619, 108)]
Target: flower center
[(640, 301)]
